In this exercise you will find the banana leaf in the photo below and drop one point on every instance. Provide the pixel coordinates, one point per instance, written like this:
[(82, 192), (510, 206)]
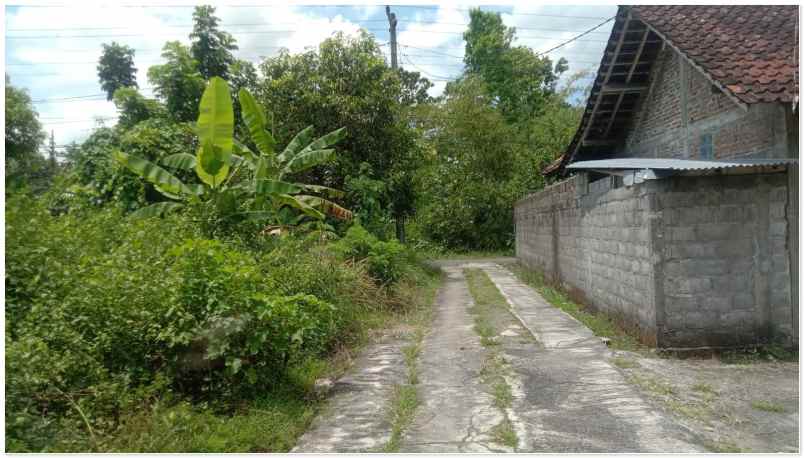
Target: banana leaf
[(256, 122), (182, 161), (163, 180)]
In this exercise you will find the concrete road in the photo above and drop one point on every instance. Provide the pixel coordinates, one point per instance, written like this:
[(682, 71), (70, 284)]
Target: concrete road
[(567, 397)]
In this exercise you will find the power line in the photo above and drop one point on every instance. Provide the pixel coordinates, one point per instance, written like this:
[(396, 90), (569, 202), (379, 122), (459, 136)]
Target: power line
[(430, 7), (264, 32), (69, 98), (75, 121), (575, 38), (434, 52), (262, 24), (447, 78)]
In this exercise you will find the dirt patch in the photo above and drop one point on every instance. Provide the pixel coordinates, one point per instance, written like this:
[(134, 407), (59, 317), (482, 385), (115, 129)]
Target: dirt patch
[(734, 407)]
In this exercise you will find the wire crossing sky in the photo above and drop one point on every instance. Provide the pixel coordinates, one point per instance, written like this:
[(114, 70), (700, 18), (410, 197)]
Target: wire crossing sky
[(52, 50)]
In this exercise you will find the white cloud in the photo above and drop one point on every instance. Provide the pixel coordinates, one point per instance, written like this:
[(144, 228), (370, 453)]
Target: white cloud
[(422, 45), (60, 67)]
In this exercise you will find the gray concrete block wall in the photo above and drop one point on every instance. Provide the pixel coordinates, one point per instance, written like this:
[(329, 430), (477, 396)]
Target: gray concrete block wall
[(726, 277), (594, 242), (687, 261)]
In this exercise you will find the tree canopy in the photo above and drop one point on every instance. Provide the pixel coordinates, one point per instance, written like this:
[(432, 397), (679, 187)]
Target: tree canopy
[(346, 82), (178, 81), (519, 79), (24, 134), (211, 47), (116, 68)]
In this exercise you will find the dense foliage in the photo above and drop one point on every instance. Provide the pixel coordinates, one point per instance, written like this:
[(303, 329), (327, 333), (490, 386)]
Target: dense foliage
[(116, 68), (104, 312), (193, 268), (346, 83), (490, 134), (24, 135)]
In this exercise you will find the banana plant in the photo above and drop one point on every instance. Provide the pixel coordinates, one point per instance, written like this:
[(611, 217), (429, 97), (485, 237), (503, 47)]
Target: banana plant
[(220, 158)]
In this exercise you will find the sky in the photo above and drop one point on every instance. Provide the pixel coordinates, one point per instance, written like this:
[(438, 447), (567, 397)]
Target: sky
[(52, 51)]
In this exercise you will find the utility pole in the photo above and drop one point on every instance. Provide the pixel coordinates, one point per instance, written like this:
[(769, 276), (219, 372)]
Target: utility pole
[(400, 218), (392, 30)]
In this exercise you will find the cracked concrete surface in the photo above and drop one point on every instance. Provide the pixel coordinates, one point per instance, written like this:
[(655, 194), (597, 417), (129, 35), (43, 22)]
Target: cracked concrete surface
[(456, 414), (355, 418), (567, 396), (571, 398)]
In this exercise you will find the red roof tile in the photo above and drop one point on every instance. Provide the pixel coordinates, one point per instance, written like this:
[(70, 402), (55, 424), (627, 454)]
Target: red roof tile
[(750, 49)]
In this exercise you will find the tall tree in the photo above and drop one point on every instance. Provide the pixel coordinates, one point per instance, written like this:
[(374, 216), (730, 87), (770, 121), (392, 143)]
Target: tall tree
[(51, 153), (469, 187), (178, 82), (346, 82), (519, 80), (116, 68), (24, 133), (212, 48)]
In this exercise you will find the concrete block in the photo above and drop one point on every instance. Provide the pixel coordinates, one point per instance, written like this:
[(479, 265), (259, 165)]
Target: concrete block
[(743, 301), (707, 267), (732, 319), (719, 231), (682, 233), (732, 283), (740, 266), (678, 303), (700, 319), (719, 304), (778, 210), (734, 248), (779, 262), (779, 281), (780, 298), (777, 229)]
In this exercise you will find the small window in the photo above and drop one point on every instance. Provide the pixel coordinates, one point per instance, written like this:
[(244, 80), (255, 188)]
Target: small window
[(706, 147)]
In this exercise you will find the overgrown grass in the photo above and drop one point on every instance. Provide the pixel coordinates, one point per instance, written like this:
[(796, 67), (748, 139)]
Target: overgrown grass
[(406, 399), (704, 388), (601, 324), (472, 254), (724, 447), (759, 354), (403, 408), (503, 433), (624, 363), (273, 422), (767, 406), (652, 385), (269, 424), (487, 302)]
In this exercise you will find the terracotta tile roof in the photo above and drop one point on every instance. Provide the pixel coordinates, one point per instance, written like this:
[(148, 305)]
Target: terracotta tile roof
[(751, 50)]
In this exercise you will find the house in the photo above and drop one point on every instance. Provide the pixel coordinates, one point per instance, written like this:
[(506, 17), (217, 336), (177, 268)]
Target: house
[(677, 206)]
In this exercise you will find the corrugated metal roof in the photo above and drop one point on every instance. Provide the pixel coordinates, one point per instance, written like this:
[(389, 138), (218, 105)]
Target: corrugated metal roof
[(676, 164)]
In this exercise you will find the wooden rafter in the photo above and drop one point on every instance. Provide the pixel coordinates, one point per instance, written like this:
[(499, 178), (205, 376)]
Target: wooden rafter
[(638, 55), (621, 88), (617, 49), (613, 114)]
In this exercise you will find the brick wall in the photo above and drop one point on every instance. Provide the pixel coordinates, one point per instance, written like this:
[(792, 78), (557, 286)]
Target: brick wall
[(682, 107), (687, 261)]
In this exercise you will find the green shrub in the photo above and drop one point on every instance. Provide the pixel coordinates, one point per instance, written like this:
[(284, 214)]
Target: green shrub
[(99, 305), (107, 314), (386, 261)]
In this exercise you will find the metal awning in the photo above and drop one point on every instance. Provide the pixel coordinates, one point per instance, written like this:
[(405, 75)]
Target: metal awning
[(636, 170)]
